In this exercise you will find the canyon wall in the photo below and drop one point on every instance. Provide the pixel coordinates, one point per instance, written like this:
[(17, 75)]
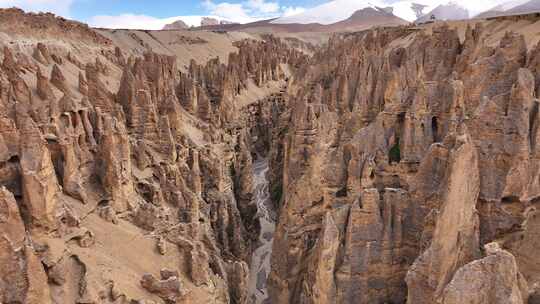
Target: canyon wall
[(407, 152), (403, 164), (124, 178)]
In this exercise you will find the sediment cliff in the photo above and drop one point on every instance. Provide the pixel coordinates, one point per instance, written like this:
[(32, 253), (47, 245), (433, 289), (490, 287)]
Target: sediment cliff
[(408, 151), (125, 179), (402, 164)]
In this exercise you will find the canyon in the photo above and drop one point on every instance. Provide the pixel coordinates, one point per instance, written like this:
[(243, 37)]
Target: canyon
[(397, 164)]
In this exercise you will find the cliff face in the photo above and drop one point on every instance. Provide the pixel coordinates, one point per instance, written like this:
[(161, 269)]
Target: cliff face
[(124, 179), (403, 163), (407, 151)]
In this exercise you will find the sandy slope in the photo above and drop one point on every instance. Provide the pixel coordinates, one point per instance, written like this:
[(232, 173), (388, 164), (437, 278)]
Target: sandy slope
[(186, 45)]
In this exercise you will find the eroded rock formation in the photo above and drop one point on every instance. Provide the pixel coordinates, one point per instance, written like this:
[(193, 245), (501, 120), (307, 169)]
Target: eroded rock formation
[(403, 162), (98, 149)]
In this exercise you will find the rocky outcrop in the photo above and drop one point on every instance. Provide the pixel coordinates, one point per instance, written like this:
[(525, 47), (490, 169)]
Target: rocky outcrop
[(402, 163), (23, 278), (208, 21), (413, 150), (168, 288), (40, 187), (116, 169), (496, 280), (48, 25), (44, 90), (177, 25), (455, 240), (59, 80), (131, 150)]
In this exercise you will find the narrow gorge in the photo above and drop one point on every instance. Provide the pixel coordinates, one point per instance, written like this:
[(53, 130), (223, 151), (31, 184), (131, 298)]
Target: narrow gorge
[(260, 261), (391, 165)]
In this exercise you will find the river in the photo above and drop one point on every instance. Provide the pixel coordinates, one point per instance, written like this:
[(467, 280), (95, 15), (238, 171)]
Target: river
[(260, 261)]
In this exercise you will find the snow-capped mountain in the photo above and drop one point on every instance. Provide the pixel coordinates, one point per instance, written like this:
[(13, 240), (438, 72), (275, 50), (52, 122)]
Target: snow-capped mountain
[(508, 5), (449, 11), (330, 12), (511, 8), (523, 8), (410, 10)]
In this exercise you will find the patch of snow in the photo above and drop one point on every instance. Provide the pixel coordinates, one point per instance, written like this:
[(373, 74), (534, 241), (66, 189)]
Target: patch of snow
[(450, 11), (410, 10), (508, 5), (525, 8), (330, 12)]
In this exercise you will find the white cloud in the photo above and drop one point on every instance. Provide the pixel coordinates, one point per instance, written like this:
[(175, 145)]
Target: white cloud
[(292, 10), (262, 6), (235, 12), (243, 12), (133, 21), (248, 10), (127, 21), (59, 7)]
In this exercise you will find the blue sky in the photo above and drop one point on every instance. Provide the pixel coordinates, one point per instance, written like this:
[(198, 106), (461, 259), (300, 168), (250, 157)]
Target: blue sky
[(154, 12), (84, 9)]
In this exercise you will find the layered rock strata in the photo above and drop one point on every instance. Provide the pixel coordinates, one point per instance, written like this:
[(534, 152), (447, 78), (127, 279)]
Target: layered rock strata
[(406, 151), (124, 179), (403, 162)]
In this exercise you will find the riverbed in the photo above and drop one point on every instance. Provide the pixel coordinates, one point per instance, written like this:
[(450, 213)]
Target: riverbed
[(260, 261)]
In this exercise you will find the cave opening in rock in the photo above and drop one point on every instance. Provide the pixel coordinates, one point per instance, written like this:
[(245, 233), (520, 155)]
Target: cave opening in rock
[(394, 155), (435, 129), (342, 192), (13, 159), (103, 203)]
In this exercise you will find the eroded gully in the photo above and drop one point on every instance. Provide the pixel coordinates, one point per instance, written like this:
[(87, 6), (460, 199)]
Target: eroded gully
[(260, 261)]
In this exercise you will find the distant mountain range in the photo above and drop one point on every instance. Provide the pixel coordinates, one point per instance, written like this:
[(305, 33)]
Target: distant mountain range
[(420, 10), (513, 8), (201, 21), (360, 20), (359, 14)]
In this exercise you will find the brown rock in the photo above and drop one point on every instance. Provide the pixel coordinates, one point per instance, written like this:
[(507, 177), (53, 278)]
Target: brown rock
[(455, 240), (41, 54), (98, 93), (23, 278), (40, 185), (74, 60), (83, 85), (44, 90), (496, 279), (177, 25), (58, 80), (162, 246), (324, 288), (116, 163), (169, 289)]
